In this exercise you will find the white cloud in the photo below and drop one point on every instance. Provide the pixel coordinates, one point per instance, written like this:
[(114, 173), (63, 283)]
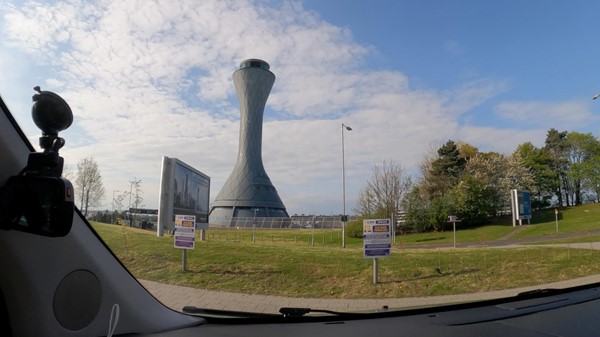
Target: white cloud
[(153, 78), (563, 115)]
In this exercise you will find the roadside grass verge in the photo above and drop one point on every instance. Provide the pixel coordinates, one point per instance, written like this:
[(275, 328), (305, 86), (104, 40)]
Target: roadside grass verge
[(582, 219), (301, 270), (332, 237), (483, 235), (579, 239)]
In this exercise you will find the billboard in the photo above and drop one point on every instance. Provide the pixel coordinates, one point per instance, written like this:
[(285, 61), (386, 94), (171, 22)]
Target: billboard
[(521, 205), (183, 190)]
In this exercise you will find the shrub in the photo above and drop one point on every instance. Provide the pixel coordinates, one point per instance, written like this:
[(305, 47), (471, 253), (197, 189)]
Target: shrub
[(354, 229)]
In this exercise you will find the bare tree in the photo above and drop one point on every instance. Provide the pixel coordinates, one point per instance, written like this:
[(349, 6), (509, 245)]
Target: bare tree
[(135, 192), (384, 190), (88, 184)]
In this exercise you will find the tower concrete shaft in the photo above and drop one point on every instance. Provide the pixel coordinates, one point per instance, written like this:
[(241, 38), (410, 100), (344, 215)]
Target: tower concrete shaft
[(248, 191)]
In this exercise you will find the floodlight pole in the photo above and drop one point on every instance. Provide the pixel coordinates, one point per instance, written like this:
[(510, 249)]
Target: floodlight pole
[(344, 127)]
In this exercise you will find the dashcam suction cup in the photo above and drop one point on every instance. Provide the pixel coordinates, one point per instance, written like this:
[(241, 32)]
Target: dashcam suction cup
[(51, 114)]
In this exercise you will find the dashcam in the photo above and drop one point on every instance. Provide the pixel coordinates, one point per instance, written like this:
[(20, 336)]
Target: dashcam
[(38, 200)]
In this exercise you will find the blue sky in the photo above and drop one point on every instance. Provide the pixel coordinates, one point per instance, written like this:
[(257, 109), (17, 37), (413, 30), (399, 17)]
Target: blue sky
[(149, 79)]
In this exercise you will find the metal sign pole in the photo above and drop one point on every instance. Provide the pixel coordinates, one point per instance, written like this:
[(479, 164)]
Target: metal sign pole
[(375, 271), (184, 259), (454, 230)]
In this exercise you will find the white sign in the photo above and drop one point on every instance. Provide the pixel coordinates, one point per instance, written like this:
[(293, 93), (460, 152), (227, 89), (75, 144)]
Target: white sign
[(185, 231), (377, 238)]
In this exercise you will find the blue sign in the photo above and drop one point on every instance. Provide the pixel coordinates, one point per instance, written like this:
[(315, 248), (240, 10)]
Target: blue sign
[(523, 205)]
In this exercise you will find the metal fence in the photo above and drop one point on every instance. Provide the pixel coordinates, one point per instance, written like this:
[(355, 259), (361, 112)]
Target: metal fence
[(294, 222)]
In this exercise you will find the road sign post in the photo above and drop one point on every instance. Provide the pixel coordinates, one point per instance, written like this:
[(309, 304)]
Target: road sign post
[(185, 234), (454, 219), (377, 241)]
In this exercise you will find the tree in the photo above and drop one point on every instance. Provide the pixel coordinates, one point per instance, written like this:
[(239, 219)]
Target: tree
[(118, 206), (450, 162), (591, 176), (556, 147), (538, 162), (135, 191), (581, 148), (384, 190), (88, 184), (497, 174), (442, 173)]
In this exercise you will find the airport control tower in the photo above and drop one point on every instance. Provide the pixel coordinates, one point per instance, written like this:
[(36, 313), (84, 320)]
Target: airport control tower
[(248, 192)]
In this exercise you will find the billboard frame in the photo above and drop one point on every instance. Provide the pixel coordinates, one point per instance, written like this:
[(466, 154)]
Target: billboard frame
[(520, 206), (167, 196)]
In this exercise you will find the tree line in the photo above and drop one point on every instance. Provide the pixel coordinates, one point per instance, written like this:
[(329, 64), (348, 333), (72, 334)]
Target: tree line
[(459, 179), (89, 189)]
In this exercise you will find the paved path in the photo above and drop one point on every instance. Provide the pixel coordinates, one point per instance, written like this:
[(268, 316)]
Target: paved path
[(177, 297)]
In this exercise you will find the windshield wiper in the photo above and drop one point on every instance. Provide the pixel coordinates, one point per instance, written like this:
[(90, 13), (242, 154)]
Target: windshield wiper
[(541, 292), (289, 312), (214, 313), (298, 312)]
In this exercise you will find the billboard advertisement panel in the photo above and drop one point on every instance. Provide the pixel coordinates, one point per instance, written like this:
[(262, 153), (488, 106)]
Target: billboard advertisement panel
[(184, 190), (191, 191)]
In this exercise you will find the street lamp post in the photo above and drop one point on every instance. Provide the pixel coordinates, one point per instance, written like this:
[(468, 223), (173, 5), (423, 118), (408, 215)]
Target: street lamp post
[(344, 127)]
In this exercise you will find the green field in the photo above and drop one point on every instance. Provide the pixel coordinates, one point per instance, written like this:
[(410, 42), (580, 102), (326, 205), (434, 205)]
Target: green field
[(581, 219), (292, 263)]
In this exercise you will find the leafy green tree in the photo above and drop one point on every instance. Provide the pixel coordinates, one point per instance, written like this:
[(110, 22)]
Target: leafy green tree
[(557, 146), (472, 201), (591, 176), (537, 161), (581, 148), (415, 205), (443, 171), (450, 162)]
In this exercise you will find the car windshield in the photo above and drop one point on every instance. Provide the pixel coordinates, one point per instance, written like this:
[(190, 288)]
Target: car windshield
[(338, 155)]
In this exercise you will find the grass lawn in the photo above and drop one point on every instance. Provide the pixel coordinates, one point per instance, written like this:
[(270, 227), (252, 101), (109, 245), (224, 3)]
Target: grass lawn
[(482, 235), (581, 219), (333, 238), (298, 268), (579, 239)]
